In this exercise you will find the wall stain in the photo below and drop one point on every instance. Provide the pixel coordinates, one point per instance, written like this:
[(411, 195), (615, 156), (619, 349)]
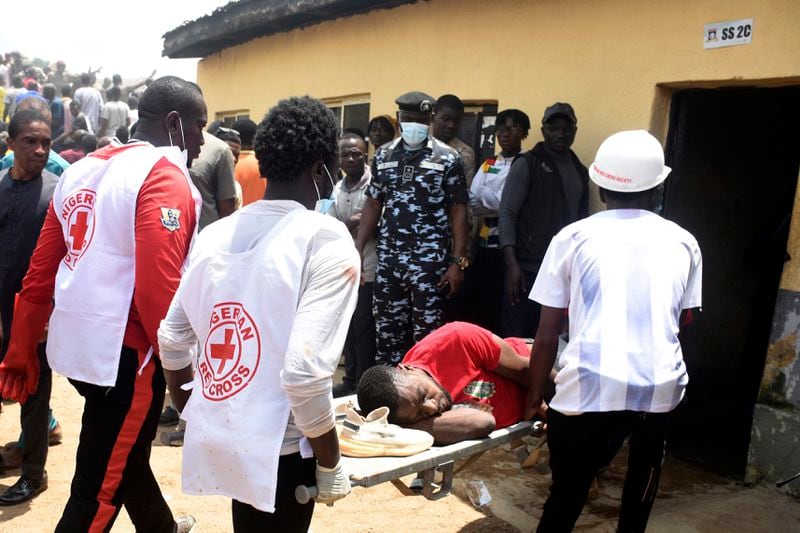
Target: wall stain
[(780, 356)]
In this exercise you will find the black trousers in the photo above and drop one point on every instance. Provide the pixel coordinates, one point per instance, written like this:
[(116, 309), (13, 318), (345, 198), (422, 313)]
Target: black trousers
[(35, 421), (521, 319), (289, 516), (581, 445), (483, 288), (359, 347), (112, 467)]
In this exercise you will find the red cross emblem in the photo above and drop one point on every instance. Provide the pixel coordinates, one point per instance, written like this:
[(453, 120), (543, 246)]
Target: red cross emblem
[(77, 214), (231, 352), (225, 351)]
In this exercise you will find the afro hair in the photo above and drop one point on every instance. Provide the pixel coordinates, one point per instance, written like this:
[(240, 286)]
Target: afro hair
[(293, 135)]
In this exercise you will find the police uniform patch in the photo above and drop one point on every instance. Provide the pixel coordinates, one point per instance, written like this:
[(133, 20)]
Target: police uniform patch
[(390, 164), (408, 173), (170, 218), (432, 166)]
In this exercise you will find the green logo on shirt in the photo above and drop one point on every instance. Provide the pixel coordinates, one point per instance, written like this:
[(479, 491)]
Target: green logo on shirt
[(480, 390)]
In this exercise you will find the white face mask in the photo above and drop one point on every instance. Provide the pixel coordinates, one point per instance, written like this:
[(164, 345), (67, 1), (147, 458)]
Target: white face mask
[(414, 133), (184, 152), (323, 204)]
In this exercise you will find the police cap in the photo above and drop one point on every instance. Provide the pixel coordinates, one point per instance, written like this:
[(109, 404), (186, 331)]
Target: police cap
[(415, 102)]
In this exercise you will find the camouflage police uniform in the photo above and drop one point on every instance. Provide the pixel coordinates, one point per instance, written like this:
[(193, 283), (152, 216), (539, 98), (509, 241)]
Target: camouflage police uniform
[(417, 189)]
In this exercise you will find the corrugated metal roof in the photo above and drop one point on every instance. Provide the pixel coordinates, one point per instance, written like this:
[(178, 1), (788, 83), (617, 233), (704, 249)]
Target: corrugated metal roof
[(239, 22)]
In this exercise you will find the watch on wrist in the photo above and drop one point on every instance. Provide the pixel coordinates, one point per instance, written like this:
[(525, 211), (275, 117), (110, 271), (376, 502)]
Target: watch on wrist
[(462, 262)]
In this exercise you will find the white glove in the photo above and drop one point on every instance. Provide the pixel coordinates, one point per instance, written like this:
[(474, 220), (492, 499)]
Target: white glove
[(332, 484)]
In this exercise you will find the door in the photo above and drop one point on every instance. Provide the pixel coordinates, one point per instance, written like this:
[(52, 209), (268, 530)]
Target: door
[(735, 156)]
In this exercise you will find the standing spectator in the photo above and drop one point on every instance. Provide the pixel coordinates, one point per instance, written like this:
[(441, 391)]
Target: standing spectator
[(446, 123), (55, 163), (59, 76), (349, 196), (90, 101), (66, 100), (626, 276), (212, 174), (247, 174), (419, 190), (113, 115), (546, 189), (25, 193), (56, 109), (381, 130), (232, 139), (10, 99), (84, 145), (4, 72), (484, 279)]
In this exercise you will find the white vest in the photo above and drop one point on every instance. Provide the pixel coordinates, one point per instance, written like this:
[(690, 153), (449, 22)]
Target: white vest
[(95, 201), (242, 307)]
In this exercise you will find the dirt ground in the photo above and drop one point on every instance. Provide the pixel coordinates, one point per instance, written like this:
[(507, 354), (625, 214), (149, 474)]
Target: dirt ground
[(689, 500)]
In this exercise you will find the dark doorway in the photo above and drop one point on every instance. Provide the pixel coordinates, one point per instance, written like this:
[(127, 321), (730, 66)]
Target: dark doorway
[(735, 156), (477, 129)]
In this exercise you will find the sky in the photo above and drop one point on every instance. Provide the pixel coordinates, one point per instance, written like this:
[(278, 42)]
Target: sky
[(123, 37)]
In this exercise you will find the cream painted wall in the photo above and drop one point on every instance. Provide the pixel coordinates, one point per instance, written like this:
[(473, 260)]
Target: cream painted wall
[(603, 56)]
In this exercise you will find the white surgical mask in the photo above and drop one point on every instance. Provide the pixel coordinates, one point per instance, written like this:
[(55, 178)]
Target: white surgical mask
[(323, 204), (184, 152), (414, 133)]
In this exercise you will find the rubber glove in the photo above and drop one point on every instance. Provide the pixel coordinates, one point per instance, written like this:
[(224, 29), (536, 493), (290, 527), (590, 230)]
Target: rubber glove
[(332, 484), (19, 371)]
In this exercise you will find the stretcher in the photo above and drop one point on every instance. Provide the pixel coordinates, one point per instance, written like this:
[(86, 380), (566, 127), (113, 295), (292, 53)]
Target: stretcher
[(371, 471)]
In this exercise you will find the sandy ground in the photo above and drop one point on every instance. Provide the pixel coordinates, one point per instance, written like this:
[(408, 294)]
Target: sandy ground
[(689, 500)]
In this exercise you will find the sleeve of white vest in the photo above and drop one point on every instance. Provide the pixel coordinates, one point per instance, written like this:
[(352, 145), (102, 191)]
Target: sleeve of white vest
[(177, 342), (319, 330)]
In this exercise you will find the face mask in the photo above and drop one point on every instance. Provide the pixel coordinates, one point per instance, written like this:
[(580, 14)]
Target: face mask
[(184, 152), (323, 204), (414, 133)]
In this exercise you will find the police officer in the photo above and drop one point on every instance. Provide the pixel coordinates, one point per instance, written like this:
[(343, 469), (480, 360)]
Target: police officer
[(419, 192)]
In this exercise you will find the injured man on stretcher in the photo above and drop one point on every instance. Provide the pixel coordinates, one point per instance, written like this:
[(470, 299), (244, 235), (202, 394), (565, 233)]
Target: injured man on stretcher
[(460, 382)]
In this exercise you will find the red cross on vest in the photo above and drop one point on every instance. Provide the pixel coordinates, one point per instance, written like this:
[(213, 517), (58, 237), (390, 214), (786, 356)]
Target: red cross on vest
[(224, 351), (78, 230)]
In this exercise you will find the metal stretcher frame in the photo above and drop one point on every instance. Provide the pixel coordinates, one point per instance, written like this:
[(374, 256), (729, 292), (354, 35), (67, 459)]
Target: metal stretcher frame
[(367, 472)]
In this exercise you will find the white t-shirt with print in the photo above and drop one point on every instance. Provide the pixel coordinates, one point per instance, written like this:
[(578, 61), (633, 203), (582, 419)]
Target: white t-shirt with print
[(625, 275)]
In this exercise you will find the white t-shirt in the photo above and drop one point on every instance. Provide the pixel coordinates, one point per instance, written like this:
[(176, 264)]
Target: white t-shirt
[(625, 276), (116, 113), (90, 101)]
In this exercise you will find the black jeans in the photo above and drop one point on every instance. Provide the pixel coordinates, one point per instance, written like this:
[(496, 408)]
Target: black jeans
[(35, 421), (521, 319), (483, 288), (359, 347), (583, 444), (112, 466), (289, 516)]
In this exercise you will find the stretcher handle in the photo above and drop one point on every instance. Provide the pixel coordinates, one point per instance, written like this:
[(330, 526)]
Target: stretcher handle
[(304, 494)]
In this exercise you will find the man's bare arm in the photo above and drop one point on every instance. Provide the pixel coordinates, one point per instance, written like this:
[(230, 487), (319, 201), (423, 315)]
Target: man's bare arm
[(511, 365), (457, 425)]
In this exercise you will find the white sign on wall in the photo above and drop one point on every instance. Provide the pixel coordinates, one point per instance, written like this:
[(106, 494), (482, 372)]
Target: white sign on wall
[(730, 33)]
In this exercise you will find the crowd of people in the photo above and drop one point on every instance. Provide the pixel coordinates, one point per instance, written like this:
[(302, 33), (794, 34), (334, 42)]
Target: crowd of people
[(235, 264)]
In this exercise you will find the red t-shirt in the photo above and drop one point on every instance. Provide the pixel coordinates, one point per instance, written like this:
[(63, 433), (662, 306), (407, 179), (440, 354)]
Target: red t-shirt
[(462, 358), (159, 252)]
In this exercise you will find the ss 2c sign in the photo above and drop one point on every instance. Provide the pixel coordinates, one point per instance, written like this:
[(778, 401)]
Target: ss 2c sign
[(731, 33)]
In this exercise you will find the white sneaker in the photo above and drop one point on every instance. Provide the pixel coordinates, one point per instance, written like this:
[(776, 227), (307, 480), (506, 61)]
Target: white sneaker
[(374, 436), (185, 524)]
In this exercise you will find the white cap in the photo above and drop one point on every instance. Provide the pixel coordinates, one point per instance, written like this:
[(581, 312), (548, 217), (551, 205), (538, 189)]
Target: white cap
[(629, 161)]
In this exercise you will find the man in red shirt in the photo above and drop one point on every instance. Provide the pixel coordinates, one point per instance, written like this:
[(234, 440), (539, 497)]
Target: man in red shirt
[(459, 382), (120, 418)]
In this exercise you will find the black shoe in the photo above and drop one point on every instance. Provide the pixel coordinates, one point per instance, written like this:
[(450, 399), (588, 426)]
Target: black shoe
[(169, 417), (342, 389), (23, 490)]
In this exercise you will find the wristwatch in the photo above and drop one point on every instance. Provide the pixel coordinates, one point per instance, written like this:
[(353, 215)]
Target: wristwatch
[(462, 262)]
